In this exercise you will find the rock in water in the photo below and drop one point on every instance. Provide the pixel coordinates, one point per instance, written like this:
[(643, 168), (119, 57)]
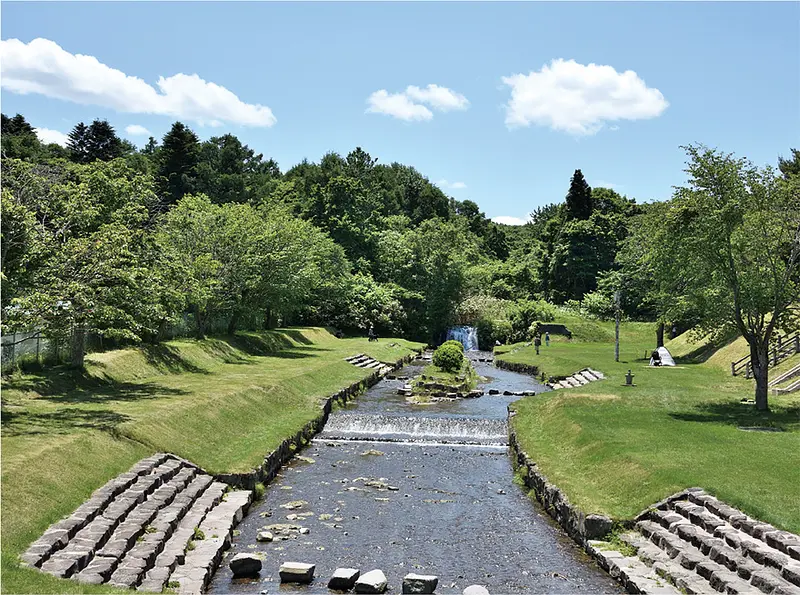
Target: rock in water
[(419, 583), (372, 582), (476, 590), (264, 536), (343, 579), (245, 565), (297, 572)]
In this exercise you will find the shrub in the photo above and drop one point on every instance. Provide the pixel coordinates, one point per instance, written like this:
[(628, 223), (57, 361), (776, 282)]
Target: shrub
[(454, 342), (448, 357), (259, 491), (491, 330)]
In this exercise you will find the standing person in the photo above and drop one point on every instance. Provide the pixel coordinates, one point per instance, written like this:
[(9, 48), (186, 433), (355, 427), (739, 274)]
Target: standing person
[(547, 338), (537, 342)]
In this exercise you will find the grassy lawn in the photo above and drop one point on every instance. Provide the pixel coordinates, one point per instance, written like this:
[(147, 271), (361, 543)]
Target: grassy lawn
[(616, 449), (221, 403)]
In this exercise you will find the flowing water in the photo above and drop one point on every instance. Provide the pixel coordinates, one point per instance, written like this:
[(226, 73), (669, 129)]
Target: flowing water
[(466, 335), (411, 488)]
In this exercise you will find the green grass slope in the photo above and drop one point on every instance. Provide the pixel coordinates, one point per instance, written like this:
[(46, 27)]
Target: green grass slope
[(222, 403), (616, 449)]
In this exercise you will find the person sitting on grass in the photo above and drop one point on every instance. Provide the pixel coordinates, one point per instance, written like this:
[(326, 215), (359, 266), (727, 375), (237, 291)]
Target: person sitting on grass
[(371, 334), (655, 358)]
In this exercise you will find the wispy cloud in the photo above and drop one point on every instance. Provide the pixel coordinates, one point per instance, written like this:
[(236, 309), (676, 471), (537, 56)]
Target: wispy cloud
[(507, 220), (42, 67), (48, 136), (579, 99), (408, 105), (604, 184), (137, 130), (451, 185)]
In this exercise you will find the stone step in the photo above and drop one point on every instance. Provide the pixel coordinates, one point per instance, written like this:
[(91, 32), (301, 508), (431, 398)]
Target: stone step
[(598, 375), (57, 536), (695, 549), (199, 564), (94, 535), (354, 357), (588, 376), (634, 574), (579, 379), (148, 540), (174, 551)]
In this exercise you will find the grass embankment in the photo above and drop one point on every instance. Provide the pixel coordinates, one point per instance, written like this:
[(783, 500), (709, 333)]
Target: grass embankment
[(616, 449), (221, 403)]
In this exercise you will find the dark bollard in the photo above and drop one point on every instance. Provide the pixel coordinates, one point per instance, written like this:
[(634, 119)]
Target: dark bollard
[(629, 379)]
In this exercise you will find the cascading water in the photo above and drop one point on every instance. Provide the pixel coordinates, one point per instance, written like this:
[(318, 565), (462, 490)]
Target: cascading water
[(389, 428), (466, 335)]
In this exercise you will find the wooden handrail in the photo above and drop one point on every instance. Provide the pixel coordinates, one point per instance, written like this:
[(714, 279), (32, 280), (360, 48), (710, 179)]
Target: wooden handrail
[(787, 345)]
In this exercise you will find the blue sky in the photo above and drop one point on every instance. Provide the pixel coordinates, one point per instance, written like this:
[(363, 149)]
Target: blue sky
[(505, 125)]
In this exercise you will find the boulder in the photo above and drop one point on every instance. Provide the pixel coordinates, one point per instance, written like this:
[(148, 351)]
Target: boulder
[(245, 565), (296, 572), (372, 582), (529, 393), (474, 393), (344, 579), (476, 590), (494, 391), (508, 393), (596, 526), (419, 583), (264, 536)]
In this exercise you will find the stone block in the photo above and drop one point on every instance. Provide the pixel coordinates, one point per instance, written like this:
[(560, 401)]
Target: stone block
[(344, 579), (596, 526), (475, 590), (296, 572), (420, 583), (373, 581), (245, 565)]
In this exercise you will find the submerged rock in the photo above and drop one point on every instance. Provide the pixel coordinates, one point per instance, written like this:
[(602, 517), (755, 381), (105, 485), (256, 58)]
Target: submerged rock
[(373, 452), (344, 579), (296, 572), (420, 583), (372, 582), (294, 505), (245, 565), (264, 536)]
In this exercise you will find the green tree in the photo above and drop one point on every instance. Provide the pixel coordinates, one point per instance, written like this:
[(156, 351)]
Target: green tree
[(790, 167), (177, 164), (730, 246), (579, 197)]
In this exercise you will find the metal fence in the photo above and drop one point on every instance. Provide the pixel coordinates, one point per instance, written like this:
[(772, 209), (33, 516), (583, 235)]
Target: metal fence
[(30, 346)]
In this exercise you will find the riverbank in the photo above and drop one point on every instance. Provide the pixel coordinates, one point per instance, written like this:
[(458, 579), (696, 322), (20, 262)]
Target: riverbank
[(615, 449), (222, 403)]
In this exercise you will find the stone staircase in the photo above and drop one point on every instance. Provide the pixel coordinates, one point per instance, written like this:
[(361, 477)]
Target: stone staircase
[(580, 378), (788, 375), (368, 363), (164, 522), (694, 543)]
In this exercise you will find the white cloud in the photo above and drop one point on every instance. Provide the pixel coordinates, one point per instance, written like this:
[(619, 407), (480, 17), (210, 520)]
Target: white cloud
[(137, 130), (48, 136), (451, 185), (397, 105), (43, 67), (604, 184), (506, 220), (408, 105), (440, 98), (578, 98)]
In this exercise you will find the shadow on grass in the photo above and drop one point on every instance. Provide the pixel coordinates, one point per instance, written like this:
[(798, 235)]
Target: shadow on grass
[(65, 385), (744, 415), (168, 359), (704, 351), (62, 421)]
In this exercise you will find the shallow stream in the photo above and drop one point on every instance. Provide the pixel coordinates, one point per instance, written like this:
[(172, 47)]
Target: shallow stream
[(413, 488)]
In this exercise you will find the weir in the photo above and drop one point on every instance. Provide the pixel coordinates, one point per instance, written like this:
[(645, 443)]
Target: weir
[(445, 430)]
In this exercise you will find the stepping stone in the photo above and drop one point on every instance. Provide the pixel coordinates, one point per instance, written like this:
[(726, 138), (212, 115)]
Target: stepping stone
[(372, 582), (297, 572), (344, 579), (476, 590), (245, 565), (420, 583), (264, 536)]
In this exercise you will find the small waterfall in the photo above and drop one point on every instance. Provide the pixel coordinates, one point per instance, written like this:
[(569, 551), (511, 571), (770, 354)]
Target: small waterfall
[(466, 335), (388, 428)]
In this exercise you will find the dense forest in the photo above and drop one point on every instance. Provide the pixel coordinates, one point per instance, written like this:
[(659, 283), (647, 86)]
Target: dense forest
[(103, 239)]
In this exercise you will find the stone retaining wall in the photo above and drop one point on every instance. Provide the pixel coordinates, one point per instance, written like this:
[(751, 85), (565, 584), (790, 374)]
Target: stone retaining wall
[(290, 446), (517, 367), (581, 527)]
